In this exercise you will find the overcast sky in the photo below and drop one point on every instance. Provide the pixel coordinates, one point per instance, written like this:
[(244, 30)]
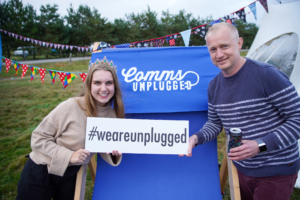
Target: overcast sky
[(115, 9)]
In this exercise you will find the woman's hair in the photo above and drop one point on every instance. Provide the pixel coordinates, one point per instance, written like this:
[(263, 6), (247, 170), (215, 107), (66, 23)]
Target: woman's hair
[(90, 102)]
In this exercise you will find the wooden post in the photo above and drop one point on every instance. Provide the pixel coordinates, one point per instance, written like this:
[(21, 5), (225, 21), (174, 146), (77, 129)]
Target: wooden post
[(80, 183), (233, 178), (93, 167), (223, 172)]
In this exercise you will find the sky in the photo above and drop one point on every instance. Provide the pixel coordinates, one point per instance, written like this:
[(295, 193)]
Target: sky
[(115, 9)]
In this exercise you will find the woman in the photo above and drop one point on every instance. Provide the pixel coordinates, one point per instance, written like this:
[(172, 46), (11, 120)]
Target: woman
[(58, 142)]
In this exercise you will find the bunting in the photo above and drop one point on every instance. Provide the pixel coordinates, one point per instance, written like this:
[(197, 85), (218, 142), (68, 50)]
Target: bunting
[(16, 66), (33, 72), (61, 77), (201, 31), (186, 36), (52, 75), (172, 40), (253, 9), (241, 14), (42, 74), (68, 79), (157, 42), (24, 70), (8, 63), (264, 4), (83, 76)]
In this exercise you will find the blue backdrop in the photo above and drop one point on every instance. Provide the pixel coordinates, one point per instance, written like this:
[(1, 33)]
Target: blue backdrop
[(171, 84)]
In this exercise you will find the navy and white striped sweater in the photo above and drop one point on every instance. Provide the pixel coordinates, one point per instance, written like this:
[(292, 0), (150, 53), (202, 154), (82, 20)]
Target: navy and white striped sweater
[(263, 103)]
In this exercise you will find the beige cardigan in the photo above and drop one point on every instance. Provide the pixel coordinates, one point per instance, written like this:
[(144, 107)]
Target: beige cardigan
[(61, 133)]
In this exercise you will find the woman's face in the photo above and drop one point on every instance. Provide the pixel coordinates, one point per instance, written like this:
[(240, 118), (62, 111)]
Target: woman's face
[(102, 87)]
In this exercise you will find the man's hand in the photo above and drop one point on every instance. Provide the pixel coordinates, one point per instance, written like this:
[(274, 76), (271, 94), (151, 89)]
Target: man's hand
[(193, 140), (248, 149)]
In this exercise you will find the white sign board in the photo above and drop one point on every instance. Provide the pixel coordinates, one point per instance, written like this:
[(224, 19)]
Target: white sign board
[(137, 136)]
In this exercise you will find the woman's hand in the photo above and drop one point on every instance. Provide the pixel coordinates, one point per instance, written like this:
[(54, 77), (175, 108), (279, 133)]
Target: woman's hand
[(115, 153), (79, 156)]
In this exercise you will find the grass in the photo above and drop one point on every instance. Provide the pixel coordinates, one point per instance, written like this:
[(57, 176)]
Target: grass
[(23, 105)]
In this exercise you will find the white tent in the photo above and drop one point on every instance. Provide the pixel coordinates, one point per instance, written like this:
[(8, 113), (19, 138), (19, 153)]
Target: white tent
[(277, 42)]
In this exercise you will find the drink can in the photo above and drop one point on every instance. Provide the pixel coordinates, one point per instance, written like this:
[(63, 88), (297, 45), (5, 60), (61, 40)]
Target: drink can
[(235, 139)]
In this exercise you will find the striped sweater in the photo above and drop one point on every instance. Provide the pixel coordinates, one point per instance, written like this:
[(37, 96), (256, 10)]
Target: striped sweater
[(263, 103)]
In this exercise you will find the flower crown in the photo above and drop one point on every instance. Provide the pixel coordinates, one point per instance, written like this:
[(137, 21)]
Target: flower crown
[(105, 61)]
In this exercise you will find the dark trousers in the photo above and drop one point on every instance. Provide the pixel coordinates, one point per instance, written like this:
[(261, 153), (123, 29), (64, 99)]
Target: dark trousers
[(37, 184), (269, 188)]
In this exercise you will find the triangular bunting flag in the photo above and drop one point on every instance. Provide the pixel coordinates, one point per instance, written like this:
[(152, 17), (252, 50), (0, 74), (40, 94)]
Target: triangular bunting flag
[(215, 22), (55, 45), (253, 9), (58, 46), (82, 49), (44, 44), (68, 79), (158, 42), (40, 42), (36, 42), (47, 44), (172, 40), (16, 66), (71, 47), (16, 36), (67, 47), (9, 33), (24, 70), (21, 37), (8, 63), (264, 4), (186, 36), (83, 76), (33, 72), (62, 47), (52, 75), (13, 34), (61, 77), (51, 45), (201, 31), (241, 14), (42, 74), (25, 39), (31, 41), (28, 39)]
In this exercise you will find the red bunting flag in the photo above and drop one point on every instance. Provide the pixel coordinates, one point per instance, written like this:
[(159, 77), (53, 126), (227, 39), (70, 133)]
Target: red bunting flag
[(8, 63), (83, 76), (24, 70), (21, 37), (42, 74), (61, 77)]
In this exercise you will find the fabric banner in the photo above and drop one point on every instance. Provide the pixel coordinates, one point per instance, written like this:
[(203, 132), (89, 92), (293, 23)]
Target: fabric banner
[(253, 9), (151, 77), (186, 36)]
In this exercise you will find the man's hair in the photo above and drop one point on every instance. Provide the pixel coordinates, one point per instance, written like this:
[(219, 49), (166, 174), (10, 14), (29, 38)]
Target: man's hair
[(217, 26)]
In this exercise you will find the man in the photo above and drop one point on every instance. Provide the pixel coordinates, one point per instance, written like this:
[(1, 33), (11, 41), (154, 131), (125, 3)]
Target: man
[(262, 102)]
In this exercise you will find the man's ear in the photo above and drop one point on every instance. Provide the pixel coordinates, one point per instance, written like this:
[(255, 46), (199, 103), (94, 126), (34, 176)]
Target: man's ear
[(240, 43)]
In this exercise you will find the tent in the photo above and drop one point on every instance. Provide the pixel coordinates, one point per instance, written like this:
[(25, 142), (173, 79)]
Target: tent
[(167, 84), (277, 42)]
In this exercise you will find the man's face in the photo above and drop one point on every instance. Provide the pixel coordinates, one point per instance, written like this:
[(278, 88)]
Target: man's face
[(224, 49)]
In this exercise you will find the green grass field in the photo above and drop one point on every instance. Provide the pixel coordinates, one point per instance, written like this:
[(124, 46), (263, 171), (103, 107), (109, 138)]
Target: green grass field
[(23, 105)]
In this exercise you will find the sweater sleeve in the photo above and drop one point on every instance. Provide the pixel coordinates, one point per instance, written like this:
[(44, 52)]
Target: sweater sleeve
[(212, 127), (283, 96), (109, 160), (43, 138)]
